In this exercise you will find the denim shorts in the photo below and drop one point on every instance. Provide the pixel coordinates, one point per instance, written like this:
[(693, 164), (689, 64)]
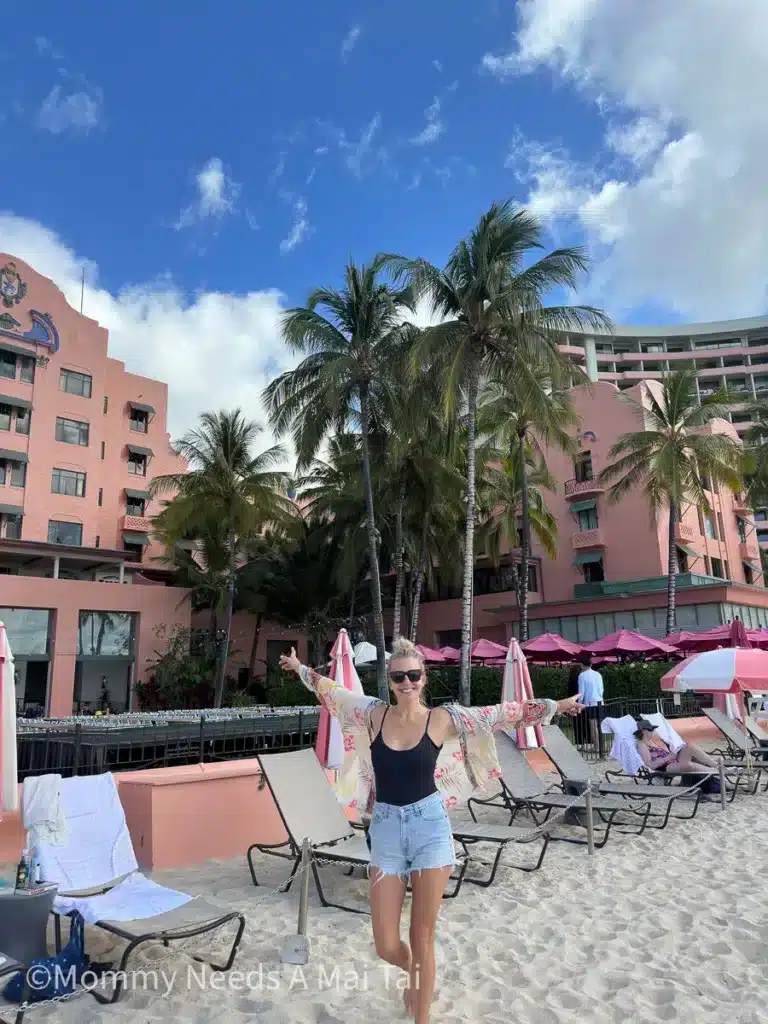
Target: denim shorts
[(411, 838)]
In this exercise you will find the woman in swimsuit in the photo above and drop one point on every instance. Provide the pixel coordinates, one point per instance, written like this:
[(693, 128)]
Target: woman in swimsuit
[(657, 756), (398, 752)]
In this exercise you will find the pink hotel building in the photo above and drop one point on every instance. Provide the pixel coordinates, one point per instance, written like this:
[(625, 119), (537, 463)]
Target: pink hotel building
[(80, 440)]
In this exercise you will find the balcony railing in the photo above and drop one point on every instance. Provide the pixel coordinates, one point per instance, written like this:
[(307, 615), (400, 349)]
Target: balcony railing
[(574, 488), (136, 524), (749, 550), (626, 588), (683, 532), (741, 503), (588, 539)]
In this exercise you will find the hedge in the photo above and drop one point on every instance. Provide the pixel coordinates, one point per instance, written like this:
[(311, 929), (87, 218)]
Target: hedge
[(636, 682)]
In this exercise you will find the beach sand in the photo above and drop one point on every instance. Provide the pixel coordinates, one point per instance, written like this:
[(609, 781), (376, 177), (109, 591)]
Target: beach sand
[(670, 926)]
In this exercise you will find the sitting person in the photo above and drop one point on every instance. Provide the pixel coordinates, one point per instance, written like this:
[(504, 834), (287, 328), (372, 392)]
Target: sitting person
[(658, 757)]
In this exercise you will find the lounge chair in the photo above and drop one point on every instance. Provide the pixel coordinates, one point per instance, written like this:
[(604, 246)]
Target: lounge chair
[(97, 875), (738, 742), (756, 731), (575, 771), (522, 789)]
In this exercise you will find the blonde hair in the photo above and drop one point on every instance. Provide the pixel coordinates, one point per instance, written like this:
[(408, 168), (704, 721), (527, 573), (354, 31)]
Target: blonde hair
[(403, 648)]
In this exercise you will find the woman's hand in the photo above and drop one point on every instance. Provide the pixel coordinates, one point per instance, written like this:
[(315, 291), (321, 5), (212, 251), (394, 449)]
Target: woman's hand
[(570, 706), (290, 663)]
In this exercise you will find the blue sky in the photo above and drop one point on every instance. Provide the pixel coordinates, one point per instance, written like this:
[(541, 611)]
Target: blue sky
[(213, 164)]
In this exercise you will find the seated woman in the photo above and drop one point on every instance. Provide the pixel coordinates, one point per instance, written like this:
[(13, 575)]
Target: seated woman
[(657, 756)]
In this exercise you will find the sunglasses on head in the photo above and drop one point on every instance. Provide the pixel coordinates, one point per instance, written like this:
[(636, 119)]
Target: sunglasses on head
[(414, 675)]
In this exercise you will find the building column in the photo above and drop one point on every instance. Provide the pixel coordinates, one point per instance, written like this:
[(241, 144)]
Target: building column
[(63, 658), (590, 358), (122, 572), (56, 563)]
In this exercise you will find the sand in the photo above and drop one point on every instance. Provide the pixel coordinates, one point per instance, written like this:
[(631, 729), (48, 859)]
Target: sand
[(669, 926)]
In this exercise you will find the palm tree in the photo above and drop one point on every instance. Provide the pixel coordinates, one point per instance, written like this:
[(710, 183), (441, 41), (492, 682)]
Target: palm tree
[(672, 458), (756, 453), (523, 408), (226, 482), (492, 304), (340, 382)]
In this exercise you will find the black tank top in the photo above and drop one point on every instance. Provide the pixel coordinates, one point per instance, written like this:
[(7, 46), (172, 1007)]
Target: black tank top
[(404, 776)]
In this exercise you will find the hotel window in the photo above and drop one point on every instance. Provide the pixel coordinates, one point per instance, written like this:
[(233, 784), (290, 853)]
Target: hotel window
[(139, 420), (717, 568), (3, 472), (682, 561), (720, 527), (18, 474), (741, 529), (136, 507), (6, 412), (533, 578), (594, 572), (761, 515), (762, 536), (70, 534), (749, 576), (582, 467), (72, 431), (103, 449), (27, 370), (137, 464), (67, 481), (75, 383), (134, 549), (23, 418), (709, 528), (8, 365), (588, 519), (101, 496), (11, 526), (106, 404)]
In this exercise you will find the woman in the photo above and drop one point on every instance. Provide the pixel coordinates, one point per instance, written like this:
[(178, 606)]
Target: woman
[(657, 756), (398, 762)]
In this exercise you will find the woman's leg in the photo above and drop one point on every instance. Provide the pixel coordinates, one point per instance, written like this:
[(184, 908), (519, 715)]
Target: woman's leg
[(700, 756), (387, 897), (428, 887), (686, 763)]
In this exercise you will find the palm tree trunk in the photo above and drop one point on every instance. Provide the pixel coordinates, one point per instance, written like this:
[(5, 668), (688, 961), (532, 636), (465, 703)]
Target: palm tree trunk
[(373, 552), (465, 678), (399, 563), (224, 651), (672, 572), (524, 542), (351, 629), (254, 649), (419, 584)]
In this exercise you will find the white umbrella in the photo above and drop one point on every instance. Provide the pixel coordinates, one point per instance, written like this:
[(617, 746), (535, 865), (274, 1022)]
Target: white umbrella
[(365, 653), (8, 767)]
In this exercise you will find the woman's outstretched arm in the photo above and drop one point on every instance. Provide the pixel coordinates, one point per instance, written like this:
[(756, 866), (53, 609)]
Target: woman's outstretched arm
[(513, 715), (350, 708)]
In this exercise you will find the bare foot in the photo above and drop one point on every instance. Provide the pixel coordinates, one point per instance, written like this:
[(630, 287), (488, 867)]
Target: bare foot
[(409, 1001)]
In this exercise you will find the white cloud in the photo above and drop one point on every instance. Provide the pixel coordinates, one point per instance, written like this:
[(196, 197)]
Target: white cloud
[(300, 228), (438, 66), (350, 41), (216, 350), (675, 204), (78, 112), (433, 128), (359, 152), (217, 195)]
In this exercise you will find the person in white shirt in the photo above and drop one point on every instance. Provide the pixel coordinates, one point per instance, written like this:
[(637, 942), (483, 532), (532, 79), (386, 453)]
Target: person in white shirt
[(591, 690)]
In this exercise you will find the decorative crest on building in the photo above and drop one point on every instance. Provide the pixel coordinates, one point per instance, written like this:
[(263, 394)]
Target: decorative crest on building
[(12, 288)]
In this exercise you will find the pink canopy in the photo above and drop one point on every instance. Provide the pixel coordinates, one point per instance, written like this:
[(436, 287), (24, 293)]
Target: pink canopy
[(330, 742), (726, 670), (627, 641), (430, 654), (450, 653), (517, 687), (551, 647), (487, 650), (732, 635)]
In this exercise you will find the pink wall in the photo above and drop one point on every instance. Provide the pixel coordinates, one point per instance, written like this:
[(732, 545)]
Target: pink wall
[(155, 606)]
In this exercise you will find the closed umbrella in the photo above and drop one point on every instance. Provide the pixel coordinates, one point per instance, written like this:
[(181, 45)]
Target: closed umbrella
[(517, 687), (330, 741), (8, 767)]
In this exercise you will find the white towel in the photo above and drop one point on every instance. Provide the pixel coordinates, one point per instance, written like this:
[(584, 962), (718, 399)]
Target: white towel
[(98, 848), (624, 748), (41, 811), (136, 897), (665, 731)]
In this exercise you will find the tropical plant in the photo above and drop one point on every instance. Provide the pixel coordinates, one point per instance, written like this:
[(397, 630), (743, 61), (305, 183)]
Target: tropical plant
[(756, 454), (523, 408), (673, 458), (345, 336), (227, 483), (490, 305)]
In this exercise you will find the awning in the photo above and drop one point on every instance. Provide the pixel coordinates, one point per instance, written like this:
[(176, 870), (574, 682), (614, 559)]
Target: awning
[(18, 403), (689, 551), (755, 568), (6, 455), (136, 538), (6, 346), (136, 449), (141, 495), (142, 408), (12, 510), (587, 557), (583, 506)]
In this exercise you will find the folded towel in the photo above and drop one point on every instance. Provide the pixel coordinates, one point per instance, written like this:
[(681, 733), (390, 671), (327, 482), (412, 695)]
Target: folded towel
[(134, 899), (665, 732), (42, 812)]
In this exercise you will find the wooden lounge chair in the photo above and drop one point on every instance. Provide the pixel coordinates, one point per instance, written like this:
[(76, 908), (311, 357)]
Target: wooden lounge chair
[(575, 771), (523, 789), (98, 855)]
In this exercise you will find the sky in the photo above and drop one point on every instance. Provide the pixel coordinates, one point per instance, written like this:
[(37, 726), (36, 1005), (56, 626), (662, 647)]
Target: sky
[(209, 167)]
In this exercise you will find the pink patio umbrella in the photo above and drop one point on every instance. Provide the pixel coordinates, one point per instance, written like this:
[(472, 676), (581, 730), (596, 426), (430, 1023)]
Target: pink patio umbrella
[(627, 641), (727, 670), (429, 654), (330, 741), (486, 650), (732, 635), (517, 687), (551, 647), (450, 653)]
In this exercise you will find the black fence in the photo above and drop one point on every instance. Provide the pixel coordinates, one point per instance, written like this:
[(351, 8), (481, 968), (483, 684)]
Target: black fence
[(79, 748)]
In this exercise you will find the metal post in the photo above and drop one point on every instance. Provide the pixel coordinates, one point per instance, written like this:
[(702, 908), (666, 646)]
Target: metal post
[(76, 752), (301, 730), (722, 786), (296, 948), (201, 752), (590, 820)]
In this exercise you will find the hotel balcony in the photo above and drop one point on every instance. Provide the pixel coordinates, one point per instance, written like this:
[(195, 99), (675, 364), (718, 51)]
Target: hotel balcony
[(749, 550), (576, 488), (684, 533), (741, 504), (588, 539), (136, 524)]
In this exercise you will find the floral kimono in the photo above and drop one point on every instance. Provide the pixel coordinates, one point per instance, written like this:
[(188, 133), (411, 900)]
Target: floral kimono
[(465, 765)]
